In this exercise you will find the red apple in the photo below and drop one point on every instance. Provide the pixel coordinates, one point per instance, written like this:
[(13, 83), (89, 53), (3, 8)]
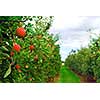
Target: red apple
[(16, 47), (20, 32), (31, 47), (17, 66), (11, 53)]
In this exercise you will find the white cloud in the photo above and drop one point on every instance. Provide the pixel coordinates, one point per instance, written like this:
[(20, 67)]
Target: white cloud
[(73, 31), (62, 22)]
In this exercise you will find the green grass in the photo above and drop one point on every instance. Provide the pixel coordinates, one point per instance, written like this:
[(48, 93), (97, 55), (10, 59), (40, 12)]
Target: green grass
[(67, 76)]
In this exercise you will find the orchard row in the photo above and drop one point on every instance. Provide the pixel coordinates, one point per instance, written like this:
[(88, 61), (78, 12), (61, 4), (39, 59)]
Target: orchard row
[(86, 61)]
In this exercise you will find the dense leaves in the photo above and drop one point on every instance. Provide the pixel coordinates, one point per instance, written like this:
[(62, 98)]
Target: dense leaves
[(28, 53), (95, 51), (86, 61), (79, 61)]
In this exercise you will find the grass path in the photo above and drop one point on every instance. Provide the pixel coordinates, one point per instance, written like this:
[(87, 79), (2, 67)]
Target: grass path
[(67, 76)]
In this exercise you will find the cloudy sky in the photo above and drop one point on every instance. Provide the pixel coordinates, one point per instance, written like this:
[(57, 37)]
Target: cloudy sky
[(73, 31)]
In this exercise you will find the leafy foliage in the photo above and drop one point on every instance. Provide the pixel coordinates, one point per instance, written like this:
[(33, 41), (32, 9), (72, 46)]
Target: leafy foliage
[(79, 61), (86, 61), (37, 65)]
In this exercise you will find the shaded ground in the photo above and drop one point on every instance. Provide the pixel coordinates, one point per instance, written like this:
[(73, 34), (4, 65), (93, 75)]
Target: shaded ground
[(69, 76), (85, 79)]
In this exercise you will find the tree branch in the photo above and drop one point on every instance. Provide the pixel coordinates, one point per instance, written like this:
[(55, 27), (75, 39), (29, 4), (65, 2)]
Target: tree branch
[(3, 21)]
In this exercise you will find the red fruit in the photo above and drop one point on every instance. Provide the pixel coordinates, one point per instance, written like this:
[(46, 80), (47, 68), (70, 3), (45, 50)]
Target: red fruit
[(31, 47), (19, 71), (36, 58), (21, 32), (16, 47), (11, 53), (17, 66), (30, 79)]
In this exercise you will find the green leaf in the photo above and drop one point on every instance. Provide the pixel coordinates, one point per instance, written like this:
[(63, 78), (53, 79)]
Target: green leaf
[(8, 71), (5, 54), (4, 48), (0, 61)]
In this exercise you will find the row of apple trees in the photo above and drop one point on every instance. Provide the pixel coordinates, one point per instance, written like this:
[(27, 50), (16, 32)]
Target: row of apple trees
[(28, 53), (86, 61)]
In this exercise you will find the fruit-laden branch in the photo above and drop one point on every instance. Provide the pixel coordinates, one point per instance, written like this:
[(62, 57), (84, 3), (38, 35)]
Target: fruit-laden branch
[(2, 21)]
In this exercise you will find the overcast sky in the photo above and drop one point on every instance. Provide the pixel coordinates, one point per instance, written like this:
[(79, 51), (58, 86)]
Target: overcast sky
[(73, 31)]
